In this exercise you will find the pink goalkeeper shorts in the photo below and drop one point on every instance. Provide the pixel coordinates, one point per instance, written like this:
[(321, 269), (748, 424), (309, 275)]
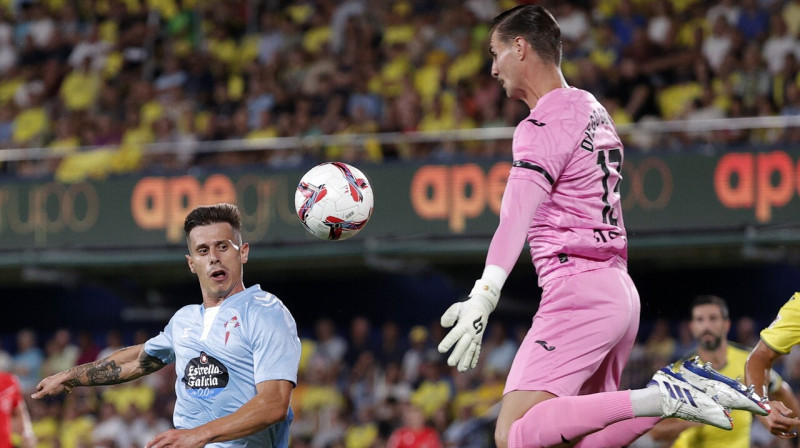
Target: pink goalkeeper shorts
[(581, 336)]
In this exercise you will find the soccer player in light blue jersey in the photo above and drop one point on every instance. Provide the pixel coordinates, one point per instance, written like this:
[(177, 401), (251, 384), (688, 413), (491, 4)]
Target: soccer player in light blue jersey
[(236, 355)]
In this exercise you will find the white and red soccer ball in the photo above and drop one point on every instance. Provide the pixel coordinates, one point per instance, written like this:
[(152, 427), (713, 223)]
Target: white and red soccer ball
[(334, 201)]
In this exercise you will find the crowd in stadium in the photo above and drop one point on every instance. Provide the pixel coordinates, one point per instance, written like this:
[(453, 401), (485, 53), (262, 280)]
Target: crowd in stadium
[(120, 74), (359, 385)]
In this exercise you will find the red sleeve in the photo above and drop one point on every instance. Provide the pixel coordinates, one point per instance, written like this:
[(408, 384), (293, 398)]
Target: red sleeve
[(17, 397)]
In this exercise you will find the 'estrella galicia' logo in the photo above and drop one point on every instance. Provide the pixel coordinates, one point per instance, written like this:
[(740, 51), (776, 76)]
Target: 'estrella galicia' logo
[(537, 122), (204, 376), (477, 325), (549, 348)]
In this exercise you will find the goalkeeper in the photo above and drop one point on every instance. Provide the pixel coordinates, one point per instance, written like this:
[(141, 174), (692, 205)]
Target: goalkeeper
[(562, 196)]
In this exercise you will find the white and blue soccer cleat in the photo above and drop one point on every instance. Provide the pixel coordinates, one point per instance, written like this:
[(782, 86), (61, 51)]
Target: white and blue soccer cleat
[(682, 400), (727, 391)]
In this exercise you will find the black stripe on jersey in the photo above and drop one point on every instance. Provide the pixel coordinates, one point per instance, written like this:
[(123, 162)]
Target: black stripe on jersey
[(530, 166)]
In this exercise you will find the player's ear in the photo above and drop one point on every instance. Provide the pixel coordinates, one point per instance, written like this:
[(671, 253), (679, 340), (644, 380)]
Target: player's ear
[(245, 252), (190, 263), (519, 46)]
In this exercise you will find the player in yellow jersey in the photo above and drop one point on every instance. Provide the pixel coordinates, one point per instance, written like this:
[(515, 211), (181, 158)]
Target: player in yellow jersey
[(776, 341), (709, 326)]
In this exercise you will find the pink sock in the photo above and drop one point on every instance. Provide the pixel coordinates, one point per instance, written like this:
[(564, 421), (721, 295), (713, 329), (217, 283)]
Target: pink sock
[(619, 434), (565, 419)]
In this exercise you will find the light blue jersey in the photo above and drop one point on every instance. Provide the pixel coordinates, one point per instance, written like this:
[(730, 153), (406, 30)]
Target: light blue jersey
[(221, 353)]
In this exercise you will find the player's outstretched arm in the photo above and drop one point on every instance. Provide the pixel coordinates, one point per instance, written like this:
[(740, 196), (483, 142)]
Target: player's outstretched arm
[(123, 365), (269, 406), (782, 421), (468, 319)]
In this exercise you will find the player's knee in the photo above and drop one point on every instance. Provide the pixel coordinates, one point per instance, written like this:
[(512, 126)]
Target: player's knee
[(501, 437)]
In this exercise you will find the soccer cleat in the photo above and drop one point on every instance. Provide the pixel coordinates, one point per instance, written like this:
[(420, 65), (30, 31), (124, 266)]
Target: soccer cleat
[(682, 400), (727, 391)]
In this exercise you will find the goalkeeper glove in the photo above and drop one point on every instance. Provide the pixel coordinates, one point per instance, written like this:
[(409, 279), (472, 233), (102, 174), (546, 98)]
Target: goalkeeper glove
[(470, 319)]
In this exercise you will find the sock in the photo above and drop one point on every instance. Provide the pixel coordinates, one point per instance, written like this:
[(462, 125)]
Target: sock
[(646, 402), (619, 434), (564, 419)]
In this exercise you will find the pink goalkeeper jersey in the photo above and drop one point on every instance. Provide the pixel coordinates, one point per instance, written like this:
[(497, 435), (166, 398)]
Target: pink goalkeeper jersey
[(568, 145)]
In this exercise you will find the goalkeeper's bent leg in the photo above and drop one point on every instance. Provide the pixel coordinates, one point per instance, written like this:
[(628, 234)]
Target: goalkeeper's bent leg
[(563, 420)]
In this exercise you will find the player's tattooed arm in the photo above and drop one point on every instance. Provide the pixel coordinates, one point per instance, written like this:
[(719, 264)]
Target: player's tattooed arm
[(104, 371), (121, 366), (149, 364)]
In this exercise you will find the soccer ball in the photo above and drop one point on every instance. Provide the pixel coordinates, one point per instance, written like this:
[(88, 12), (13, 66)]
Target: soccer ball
[(333, 201)]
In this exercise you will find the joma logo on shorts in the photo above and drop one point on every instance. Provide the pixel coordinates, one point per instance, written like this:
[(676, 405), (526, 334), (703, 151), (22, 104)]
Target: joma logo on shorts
[(549, 348)]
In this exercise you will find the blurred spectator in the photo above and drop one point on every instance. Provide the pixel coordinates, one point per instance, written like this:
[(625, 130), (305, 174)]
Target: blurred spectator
[(724, 8), (392, 346), (703, 108), (753, 20), (113, 343), (330, 346), (8, 52), (435, 390), (331, 429), (87, 349), (138, 394), (46, 422), (273, 37), (792, 104), (90, 50), (14, 416), (414, 356), (685, 341), (147, 425), (626, 21), (81, 87), (717, 45), (751, 79), (498, 349), (747, 331), (361, 381), (636, 94), (391, 386), (791, 14), (172, 77), (573, 21), (110, 429), (360, 341), (363, 431), (778, 45), (660, 345), (466, 430), (414, 433), (61, 353), (660, 28), (28, 361)]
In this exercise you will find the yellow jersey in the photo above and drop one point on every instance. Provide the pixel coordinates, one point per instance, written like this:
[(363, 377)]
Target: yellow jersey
[(784, 332)]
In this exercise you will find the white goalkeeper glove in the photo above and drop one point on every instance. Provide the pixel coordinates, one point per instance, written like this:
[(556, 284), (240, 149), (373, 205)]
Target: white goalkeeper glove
[(470, 318)]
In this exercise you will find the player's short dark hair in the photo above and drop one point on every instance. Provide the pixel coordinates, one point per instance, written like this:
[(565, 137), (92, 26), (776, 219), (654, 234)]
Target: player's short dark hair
[(212, 214), (708, 299), (536, 25)]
